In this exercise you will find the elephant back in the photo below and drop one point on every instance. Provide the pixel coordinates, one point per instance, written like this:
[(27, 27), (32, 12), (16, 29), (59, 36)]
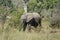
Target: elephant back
[(36, 15)]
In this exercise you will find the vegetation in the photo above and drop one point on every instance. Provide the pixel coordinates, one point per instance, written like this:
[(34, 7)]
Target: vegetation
[(11, 10)]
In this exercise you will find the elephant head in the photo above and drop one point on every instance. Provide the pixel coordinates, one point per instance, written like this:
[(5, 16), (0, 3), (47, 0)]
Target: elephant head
[(32, 19)]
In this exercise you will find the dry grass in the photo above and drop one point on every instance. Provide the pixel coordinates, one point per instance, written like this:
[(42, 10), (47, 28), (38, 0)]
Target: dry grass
[(14, 34)]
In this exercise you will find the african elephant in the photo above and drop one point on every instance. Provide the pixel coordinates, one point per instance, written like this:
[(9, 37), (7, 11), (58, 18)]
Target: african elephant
[(30, 19)]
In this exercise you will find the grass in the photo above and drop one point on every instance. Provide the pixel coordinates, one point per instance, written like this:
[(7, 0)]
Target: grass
[(14, 34)]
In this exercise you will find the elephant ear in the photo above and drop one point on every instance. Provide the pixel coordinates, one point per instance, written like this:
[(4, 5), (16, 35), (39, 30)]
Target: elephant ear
[(29, 16), (36, 16)]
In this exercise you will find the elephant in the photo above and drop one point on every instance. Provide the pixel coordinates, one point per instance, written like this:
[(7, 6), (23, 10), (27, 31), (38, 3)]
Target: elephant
[(30, 19)]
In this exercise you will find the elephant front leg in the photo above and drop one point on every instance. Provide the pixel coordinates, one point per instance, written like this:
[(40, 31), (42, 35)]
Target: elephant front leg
[(29, 27), (24, 26)]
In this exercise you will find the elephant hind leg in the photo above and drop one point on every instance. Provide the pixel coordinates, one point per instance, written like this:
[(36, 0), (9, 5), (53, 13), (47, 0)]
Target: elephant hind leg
[(39, 22)]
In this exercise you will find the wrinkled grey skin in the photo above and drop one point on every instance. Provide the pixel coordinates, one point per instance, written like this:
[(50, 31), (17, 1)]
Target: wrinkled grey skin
[(30, 19)]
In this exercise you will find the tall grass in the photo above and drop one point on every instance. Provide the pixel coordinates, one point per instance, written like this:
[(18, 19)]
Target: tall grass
[(11, 33)]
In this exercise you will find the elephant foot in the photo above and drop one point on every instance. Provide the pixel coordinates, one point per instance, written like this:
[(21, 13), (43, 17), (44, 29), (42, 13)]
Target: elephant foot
[(29, 30)]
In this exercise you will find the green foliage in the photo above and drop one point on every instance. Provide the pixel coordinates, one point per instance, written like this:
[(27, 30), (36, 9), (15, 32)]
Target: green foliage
[(36, 5), (3, 13), (54, 20), (6, 3), (15, 10), (8, 9), (31, 5), (15, 17)]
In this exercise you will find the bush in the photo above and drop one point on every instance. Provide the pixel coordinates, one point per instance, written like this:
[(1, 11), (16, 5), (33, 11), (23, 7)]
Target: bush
[(54, 20)]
